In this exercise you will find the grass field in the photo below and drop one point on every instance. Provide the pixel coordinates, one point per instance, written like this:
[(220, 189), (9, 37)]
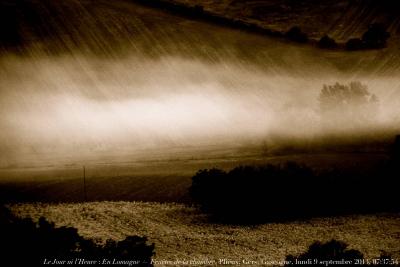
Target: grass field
[(182, 233)]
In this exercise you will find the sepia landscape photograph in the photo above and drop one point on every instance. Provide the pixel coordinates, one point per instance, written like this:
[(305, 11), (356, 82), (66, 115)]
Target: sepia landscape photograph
[(199, 133)]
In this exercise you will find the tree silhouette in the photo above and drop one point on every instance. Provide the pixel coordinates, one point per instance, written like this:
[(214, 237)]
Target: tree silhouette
[(327, 42), (9, 25), (295, 34), (351, 103), (376, 36), (258, 194), (26, 243), (354, 44), (320, 252)]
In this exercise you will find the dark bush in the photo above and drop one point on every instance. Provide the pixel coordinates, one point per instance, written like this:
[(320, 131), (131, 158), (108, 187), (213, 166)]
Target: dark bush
[(291, 191), (25, 243), (295, 34), (335, 253), (374, 38), (355, 44), (319, 253), (327, 42), (250, 194)]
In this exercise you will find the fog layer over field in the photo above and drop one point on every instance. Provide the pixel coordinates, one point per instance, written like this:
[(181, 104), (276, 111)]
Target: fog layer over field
[(81, 106)]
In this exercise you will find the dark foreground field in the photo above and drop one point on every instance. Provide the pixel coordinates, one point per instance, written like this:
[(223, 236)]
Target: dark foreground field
[(183, 233), (160, 180)]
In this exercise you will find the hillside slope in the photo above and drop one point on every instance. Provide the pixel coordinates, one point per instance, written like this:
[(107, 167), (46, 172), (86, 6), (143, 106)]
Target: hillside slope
[(118, 28), (341, 19)]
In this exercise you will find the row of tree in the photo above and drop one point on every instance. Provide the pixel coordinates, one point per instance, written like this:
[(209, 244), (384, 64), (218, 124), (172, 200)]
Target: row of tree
[(375, 37), (348, 105)]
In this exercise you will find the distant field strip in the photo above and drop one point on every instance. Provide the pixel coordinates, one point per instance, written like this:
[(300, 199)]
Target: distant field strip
[(181, 232)]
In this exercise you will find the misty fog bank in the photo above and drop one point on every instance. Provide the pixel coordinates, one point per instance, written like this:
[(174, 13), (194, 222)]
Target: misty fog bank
[(80, 107)]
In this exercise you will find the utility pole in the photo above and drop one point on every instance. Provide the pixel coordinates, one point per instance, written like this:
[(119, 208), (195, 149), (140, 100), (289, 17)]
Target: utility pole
[(84, 183)]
